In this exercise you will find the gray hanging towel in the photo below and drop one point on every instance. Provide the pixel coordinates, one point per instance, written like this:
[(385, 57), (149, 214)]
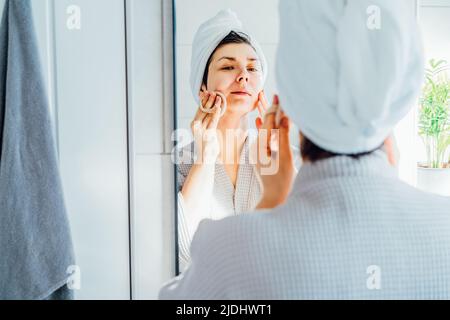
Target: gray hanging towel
[(35, 242)]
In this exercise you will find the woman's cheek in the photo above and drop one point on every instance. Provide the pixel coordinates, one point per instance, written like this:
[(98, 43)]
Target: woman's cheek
[(223, 85), (257, 83)]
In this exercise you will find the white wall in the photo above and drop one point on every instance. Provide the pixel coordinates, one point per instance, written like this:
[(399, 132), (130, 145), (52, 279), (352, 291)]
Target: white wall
[(151, 121), (110, 89), (434, 19), (86, 75)]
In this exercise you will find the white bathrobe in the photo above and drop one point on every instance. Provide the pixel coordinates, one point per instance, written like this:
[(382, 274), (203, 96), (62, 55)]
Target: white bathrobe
[(226, 199), (349, 230)]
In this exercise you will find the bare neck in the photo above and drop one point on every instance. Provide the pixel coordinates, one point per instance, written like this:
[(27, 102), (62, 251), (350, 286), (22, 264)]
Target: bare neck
[(234, 131)]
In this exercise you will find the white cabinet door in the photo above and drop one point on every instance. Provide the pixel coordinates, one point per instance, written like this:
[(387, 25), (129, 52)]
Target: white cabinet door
[(87, 49)]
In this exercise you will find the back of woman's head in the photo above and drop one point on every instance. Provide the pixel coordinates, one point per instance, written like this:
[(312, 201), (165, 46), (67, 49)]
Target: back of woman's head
[(348, 70)]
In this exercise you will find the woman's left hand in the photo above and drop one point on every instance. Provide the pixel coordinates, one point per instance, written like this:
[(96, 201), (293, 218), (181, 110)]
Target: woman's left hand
[(262, 106), (275, 160)]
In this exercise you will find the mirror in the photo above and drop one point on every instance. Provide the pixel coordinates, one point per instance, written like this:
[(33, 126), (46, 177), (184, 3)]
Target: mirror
[(234, 190), (231, 187)]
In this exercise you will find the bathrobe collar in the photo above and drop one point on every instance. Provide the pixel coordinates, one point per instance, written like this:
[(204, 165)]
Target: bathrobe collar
[(374, 164)]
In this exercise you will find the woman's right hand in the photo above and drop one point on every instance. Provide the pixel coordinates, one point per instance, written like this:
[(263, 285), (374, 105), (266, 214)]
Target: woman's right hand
[(275, 164), (204, 128), (198, 187)]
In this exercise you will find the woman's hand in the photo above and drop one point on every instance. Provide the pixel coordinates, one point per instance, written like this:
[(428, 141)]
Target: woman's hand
[(198, 187), (275, 160), (262, 106), (391, 149), (204, 128)]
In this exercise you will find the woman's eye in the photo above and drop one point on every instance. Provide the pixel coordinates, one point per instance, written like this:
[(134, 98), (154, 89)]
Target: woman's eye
[(251, 69)]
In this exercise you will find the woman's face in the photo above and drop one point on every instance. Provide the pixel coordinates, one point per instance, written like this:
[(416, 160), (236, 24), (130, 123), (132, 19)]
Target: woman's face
[(236, 72)]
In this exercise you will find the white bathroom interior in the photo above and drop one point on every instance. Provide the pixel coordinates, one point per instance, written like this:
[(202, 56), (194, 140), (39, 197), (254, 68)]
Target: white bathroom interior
[(117, 75)]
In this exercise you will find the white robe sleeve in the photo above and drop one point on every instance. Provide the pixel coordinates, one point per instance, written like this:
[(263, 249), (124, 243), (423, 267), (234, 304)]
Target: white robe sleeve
[(186, 227), (184, 234)]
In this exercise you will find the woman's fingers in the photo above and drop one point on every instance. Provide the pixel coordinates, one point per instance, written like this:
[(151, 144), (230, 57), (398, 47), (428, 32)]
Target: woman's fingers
[(268, 126), (199, 116), (215, 118), (260, 110), (223, 103), (258, 123), (389, 146), (269, 117), (284, 138), (215, 106), (206, 100), (264, 102), (204, 96), (276, 164), (211, 101), (262, 105), (200, 113)]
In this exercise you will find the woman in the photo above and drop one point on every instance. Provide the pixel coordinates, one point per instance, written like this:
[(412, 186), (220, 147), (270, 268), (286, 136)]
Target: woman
[(228, 72)]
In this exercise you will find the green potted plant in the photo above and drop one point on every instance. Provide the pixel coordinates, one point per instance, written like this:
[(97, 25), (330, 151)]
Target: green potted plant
[(434, 129)]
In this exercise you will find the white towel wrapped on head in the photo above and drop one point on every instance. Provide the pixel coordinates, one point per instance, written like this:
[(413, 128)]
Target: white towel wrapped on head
[(348, 70)]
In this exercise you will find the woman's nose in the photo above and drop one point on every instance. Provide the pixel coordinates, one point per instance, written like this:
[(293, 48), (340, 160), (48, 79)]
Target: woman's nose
[(243, 77)]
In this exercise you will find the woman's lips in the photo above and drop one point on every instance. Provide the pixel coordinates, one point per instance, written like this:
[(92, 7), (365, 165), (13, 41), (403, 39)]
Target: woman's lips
[(241, 93)]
